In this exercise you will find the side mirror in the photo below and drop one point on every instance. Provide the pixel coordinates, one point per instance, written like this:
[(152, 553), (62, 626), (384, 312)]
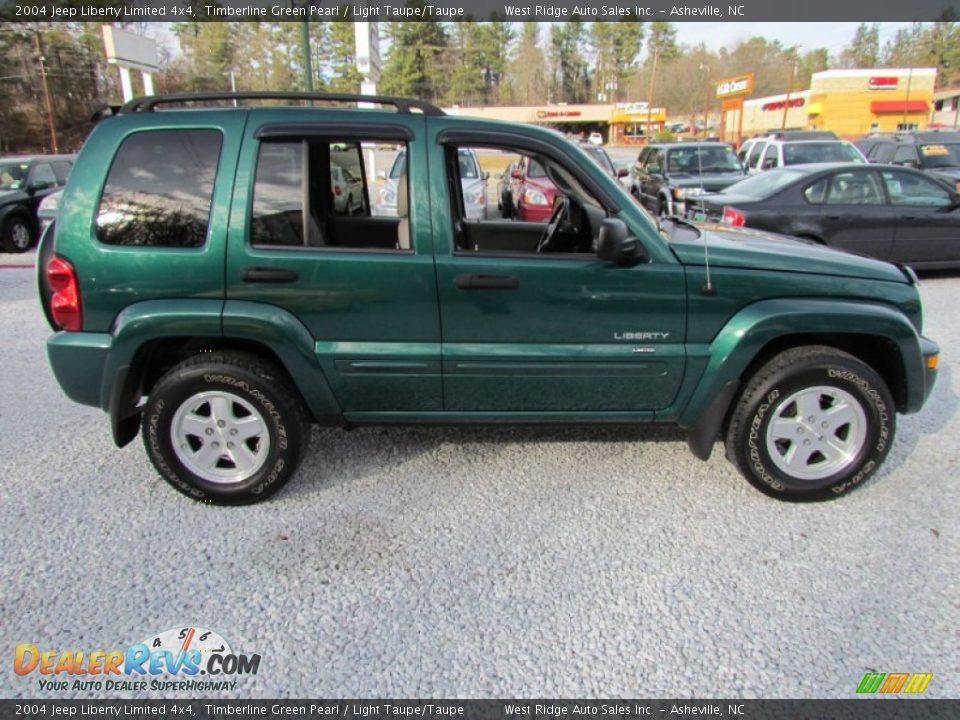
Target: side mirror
[(617, 245), (485, 175), (381, 174), (516, 174), (622, 172), (39, 185)]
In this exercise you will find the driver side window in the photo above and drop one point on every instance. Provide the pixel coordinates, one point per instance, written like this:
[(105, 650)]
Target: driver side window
[(510, 201)]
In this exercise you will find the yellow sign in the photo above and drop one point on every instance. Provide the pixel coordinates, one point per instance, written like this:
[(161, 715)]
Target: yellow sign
[(735, 86)]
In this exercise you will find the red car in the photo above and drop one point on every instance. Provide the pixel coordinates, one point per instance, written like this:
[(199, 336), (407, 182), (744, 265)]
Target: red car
[(533, 192)]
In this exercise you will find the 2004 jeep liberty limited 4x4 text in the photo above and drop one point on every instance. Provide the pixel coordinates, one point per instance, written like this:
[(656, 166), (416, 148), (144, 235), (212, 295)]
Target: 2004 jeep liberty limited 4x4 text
[(224, 273)]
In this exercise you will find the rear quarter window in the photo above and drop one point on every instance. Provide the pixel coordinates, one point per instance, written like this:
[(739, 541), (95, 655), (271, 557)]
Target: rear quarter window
[(159, 189)]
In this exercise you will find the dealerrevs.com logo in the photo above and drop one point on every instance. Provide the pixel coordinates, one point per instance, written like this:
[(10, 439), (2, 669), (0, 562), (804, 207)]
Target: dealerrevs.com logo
[(186, 659)]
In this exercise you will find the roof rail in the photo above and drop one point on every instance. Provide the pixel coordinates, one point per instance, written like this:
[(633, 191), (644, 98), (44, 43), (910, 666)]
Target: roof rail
[(403, 105)]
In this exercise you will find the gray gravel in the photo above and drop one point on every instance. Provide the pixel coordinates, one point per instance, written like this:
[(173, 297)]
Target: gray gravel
[(484, 562)]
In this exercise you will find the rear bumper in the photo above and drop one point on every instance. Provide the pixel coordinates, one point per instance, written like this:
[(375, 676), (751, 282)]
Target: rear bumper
[(78, 360)]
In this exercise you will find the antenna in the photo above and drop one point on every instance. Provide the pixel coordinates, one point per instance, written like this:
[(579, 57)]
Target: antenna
[(707, 287)]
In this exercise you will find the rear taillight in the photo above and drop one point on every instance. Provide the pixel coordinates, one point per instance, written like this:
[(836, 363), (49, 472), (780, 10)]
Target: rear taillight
[(732, 216), (65, 303), (336, 190)]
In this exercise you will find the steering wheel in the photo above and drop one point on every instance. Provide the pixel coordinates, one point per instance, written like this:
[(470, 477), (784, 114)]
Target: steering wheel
[(557, 217)]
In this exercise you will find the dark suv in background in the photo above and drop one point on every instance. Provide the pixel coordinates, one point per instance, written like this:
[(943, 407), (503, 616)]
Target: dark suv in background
[(24, 182), (934, 152), (666, 175)]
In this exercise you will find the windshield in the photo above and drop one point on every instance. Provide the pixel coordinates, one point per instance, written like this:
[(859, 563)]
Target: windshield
[(819, 152), (765, 184), (13, 176), (399, 166), (940, 155), (601, 158), (703, 160)]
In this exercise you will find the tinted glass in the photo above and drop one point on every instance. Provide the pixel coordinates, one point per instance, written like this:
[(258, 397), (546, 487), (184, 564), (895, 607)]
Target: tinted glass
[(817, 192), (915, 190), (940, 155), (535, 169), (43, 173), (278, 195), (601, 158), (13, 176), (819, 152), (62, 170), (905, 153), (468, 166), (882, 152), (160, 189), (764, 184), (709, 159), (855, 188)]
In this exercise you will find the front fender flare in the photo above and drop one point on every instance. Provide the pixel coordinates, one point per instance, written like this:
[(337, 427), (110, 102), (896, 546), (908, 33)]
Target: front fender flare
[(746, 333)]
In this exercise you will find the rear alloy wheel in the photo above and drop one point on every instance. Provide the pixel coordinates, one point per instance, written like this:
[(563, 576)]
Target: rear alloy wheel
[(813, 423), (17, 235), (226, 428)]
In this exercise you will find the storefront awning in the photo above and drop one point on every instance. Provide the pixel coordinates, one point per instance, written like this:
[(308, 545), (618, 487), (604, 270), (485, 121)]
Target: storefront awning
[(900, 106)]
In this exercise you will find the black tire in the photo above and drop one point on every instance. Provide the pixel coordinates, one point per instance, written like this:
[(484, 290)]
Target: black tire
[(765, 398), (260, 385), (17, 234)]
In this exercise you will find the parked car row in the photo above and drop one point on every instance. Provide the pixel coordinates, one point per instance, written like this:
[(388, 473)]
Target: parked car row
[(24, 183)]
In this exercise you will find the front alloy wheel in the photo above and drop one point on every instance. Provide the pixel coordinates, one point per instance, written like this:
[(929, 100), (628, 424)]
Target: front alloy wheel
[(812, 423)]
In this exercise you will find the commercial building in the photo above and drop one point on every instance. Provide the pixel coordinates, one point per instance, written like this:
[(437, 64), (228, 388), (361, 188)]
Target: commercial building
[(618, 123), (851, 103)]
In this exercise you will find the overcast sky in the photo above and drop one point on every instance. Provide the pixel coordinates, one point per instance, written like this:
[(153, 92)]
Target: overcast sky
[(833, 36)]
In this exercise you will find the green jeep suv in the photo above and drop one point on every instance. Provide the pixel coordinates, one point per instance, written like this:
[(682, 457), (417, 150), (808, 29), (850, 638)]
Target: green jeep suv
[(207, 287)]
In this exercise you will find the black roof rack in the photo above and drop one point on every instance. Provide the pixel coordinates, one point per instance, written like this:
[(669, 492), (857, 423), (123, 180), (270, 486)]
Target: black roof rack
[(403, 105)]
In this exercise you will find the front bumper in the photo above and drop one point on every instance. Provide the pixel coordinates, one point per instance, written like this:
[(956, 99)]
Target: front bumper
[(931, 361)]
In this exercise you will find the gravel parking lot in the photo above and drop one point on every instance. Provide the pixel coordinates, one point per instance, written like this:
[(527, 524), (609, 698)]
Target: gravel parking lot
[(483, 562)]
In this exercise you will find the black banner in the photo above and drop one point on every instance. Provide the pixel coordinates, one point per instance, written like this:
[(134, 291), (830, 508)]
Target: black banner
[(854, 709), (475, 10)]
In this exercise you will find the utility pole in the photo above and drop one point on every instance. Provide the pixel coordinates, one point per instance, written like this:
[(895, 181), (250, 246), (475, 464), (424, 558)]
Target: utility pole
[(906, 102), (653, 77), (307, 63), (705, 69), (46, 95), (786, 103)]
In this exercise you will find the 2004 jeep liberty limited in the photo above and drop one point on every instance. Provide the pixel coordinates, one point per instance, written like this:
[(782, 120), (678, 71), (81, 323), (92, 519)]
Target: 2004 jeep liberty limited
[(223, 274)]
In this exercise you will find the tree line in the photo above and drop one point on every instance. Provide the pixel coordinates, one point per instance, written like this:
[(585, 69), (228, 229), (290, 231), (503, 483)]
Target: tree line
[(489, 63)]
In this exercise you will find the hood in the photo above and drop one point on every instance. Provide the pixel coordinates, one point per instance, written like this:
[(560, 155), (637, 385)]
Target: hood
[(710, 183), (757, 250)]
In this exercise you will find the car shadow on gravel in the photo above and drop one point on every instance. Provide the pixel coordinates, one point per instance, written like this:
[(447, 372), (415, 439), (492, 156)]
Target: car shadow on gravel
[(938, 413), (337, 456)]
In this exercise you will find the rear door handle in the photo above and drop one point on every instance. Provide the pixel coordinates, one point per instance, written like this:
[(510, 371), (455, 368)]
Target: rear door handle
[(908, 217), (833, 217), (487, 282), (268, 275)]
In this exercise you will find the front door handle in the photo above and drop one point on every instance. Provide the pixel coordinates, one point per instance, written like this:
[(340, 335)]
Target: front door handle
[(268, 275), (487, 282)]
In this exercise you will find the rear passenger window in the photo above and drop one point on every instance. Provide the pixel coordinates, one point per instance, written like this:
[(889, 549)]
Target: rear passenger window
[(160, 189), (817, 192), (322, 194)]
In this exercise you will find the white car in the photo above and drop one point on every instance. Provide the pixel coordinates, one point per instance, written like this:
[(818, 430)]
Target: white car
[(595, 139), (347, 191), (796, 149), (473, 182)]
